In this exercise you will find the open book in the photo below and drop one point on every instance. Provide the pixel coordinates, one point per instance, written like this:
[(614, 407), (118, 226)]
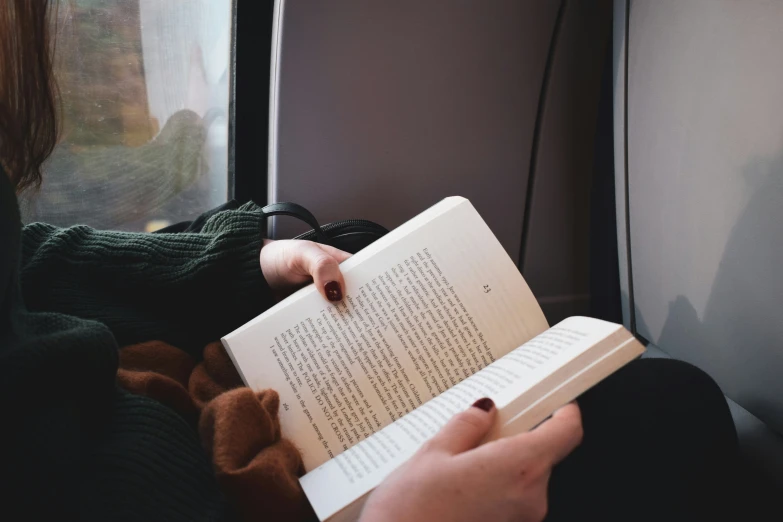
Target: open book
[(435, 316)]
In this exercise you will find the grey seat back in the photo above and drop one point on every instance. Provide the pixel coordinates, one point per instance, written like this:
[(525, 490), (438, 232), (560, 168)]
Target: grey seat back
[(699, 173)]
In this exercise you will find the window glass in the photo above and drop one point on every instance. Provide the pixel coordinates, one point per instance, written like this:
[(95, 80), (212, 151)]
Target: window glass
[(144, 88)]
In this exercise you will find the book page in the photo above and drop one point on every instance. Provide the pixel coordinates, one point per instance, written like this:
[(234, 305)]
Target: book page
[(425, 307), (337, 483)]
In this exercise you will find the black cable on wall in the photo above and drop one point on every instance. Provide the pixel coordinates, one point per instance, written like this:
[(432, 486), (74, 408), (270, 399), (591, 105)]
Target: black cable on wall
[(537, 133)]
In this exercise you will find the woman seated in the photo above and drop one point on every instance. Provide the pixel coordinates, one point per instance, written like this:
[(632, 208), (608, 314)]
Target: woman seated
[(101, 423)]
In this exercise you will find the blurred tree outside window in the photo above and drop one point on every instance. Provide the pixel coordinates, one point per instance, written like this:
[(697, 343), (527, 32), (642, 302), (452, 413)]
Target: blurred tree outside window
[(144, 87)]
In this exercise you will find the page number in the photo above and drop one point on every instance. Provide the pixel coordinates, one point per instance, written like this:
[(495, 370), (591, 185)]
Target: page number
[(487, 289)]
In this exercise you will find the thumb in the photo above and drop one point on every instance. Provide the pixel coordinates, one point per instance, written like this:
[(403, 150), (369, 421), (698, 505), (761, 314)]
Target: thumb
[(321, 262), (465, 430)]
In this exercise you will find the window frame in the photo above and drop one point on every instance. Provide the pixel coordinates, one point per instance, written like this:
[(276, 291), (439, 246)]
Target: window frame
[(249, 90)]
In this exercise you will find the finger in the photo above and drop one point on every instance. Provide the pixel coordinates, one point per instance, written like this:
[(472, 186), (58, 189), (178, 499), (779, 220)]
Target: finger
[(541, 448), (339, 255), (466, 429), (559, 435), (322, 267)]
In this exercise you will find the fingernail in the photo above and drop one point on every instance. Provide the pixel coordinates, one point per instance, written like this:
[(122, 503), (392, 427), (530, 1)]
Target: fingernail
[(333, 291), (485, 404)]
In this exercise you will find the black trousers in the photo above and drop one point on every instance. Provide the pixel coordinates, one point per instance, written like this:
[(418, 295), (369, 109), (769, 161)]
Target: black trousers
[(659, 445)]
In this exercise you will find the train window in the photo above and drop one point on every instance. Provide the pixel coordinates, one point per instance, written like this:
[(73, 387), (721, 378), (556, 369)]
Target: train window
[(144, 86)]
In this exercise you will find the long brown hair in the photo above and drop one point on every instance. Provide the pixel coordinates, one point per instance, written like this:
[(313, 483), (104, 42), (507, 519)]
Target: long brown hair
[(29, 118)]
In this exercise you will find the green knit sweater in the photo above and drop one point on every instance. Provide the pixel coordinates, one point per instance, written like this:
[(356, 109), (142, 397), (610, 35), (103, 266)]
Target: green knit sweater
[(76, 446)]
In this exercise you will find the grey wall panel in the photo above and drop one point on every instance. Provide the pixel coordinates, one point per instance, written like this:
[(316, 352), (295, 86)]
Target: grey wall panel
[(384, 107), (705, 154), (556, 260)]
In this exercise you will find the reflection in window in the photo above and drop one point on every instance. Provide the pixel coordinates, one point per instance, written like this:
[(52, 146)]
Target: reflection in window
[(145, 91)]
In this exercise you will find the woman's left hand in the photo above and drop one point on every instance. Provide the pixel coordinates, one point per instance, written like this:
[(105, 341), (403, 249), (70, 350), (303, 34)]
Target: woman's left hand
[(290, 263)]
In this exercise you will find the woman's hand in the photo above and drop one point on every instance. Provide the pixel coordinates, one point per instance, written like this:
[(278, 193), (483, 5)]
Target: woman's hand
[(290, 263), (453, 478)]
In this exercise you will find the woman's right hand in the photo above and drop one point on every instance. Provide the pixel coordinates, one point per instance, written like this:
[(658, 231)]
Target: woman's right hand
[(453, 478)]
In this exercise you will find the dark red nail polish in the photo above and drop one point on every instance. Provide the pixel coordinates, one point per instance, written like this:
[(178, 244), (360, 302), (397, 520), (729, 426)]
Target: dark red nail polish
[(485, 404), (333, 291)]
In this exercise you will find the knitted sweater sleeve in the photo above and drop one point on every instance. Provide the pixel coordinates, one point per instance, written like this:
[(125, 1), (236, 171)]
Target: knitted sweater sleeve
[(187, 289)]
